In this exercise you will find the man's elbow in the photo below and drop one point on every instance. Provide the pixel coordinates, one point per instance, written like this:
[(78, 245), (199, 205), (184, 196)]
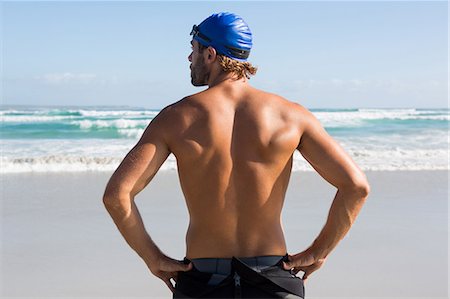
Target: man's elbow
[(361, 186), (113, 200), (110, 201), (358, 185)]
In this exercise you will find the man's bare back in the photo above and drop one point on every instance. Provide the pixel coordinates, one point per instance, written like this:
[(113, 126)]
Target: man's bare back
[(234, 147)]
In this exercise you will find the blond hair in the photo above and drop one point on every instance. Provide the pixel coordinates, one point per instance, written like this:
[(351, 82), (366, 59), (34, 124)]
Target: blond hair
[(238, 68)]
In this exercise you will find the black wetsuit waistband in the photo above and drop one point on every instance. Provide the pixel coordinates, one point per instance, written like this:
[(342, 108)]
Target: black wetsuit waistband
[(223, 265), (239, 277)]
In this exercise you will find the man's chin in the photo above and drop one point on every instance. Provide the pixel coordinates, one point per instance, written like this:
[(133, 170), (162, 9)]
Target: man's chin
[(197, 84)]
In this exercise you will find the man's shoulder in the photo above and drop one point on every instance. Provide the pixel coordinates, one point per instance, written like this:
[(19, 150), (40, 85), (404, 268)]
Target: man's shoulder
[(176, 113), (283, 104), (295, 112)]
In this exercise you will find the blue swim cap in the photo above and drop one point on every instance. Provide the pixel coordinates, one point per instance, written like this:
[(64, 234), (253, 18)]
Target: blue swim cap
[(227, 33)]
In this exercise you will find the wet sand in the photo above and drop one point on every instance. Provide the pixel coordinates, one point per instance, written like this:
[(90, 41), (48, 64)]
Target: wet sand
[(57, 240)]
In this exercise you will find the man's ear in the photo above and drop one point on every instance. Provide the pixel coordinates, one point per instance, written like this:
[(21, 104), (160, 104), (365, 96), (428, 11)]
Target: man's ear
[(211, 54)]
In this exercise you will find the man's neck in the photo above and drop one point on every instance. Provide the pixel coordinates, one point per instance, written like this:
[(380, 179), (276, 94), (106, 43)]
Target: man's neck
[(223, 77)]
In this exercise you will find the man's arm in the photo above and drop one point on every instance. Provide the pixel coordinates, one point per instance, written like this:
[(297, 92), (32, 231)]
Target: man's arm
[(335, 166), (133, 174)]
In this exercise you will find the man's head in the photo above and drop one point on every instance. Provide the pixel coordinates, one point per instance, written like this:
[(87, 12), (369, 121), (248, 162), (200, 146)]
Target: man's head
[(227, 38)]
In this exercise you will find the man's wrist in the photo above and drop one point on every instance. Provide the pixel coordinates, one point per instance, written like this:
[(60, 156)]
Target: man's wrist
[(151, 255), (318, 251)]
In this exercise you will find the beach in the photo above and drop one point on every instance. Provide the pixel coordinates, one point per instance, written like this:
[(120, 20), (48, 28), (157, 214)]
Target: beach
[(59, 241), (83, 80)]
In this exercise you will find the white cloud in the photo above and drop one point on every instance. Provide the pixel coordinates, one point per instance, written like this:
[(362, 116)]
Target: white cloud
[(62, 78), (337, 82), (333, 83), (394, 86)]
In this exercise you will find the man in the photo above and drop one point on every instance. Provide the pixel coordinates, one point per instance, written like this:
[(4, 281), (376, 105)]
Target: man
[(234, 147)]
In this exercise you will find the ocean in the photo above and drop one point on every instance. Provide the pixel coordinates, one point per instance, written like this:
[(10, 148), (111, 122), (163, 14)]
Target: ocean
[(74, 139)]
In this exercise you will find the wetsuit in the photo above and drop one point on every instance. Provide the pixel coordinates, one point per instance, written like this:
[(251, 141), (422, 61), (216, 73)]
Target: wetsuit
[(254, 277)]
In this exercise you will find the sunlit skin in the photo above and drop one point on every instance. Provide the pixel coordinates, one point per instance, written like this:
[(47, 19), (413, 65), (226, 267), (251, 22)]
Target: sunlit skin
[(234, 146), (199, 72)]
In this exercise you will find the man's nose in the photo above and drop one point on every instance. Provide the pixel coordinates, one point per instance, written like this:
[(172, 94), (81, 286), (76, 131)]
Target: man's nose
[(190, 57)]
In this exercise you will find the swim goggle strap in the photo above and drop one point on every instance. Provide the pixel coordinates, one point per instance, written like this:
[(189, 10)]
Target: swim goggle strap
[(232, 51)]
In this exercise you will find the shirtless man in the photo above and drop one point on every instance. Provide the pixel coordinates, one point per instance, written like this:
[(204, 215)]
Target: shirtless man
[(234, 146)]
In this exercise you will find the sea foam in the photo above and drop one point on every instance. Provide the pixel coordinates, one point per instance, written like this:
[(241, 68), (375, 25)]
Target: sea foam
[(37, 139)]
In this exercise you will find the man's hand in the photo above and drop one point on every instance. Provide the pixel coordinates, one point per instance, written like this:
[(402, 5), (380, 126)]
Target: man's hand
[(167, 268), (304, 261)]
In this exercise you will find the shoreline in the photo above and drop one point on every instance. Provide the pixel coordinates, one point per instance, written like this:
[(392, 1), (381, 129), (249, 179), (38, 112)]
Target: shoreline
[(58, 241), (174, 171)]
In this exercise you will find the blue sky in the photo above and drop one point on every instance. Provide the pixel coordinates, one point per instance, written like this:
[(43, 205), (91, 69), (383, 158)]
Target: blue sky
[(320, 54)]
